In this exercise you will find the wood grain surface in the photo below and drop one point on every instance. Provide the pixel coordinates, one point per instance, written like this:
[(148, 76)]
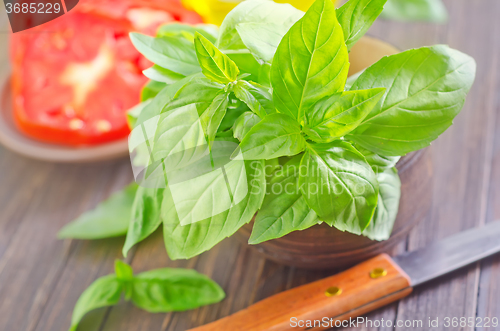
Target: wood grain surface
[(41, 277)]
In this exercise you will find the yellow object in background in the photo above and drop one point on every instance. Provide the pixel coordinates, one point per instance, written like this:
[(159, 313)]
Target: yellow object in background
[(214, 11)]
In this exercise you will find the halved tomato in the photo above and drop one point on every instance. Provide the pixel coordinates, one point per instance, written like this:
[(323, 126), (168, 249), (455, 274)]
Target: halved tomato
[(74, 78)]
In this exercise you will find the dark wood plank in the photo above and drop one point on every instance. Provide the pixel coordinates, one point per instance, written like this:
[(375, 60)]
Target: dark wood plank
[(43, 197), (41, 278)]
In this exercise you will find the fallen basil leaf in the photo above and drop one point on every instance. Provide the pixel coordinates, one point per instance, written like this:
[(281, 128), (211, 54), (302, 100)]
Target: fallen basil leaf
[(104, 292), (426, 89), (214, 64), (380, 227), (339, 185), (244, 124), (357, 16), (416, 10), (276, 135), (108, 219), (171, 53), (336, 116), (166, 290), (311, 62), (145, 216), (257, 97)]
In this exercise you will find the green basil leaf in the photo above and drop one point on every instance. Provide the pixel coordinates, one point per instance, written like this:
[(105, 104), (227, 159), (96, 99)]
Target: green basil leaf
[(104, 292), (163, 96), (284, 209), (276, 135), (380, 227), (209, 31), (167, 290), (234, 111), (244, 124), (379, 163), (180, 125), (108, 219), (185, 242), (134, 113), (336, 116), (339, 185), (262, 39), (256, 11), (311, 62), (426, 89), (159, 74), (257, 97), (175, 54), (357, 16), (145, 217), (151, 90), (416, 10), (123, 271), (211, 119), (215, 65)]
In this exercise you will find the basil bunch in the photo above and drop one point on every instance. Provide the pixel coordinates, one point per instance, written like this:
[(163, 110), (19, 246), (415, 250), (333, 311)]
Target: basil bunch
[(161, 290), (265, 104)]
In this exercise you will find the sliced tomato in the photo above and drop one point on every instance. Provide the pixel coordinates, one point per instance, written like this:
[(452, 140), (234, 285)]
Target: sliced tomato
[(74, 84)]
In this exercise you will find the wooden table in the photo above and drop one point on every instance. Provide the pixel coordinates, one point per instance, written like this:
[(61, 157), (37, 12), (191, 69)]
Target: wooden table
[(42, 277)]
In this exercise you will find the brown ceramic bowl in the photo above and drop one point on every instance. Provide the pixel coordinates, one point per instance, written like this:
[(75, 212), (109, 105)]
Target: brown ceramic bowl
[(323, 247)]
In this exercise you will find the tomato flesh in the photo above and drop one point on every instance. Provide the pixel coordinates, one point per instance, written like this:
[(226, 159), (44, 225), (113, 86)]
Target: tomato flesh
[(74, 85)]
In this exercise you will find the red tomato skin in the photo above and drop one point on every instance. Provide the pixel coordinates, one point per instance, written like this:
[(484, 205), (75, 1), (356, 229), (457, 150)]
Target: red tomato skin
[(37, 99)]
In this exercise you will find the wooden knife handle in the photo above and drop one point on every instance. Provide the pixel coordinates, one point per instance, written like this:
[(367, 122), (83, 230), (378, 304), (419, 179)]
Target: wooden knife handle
[(350, 294)]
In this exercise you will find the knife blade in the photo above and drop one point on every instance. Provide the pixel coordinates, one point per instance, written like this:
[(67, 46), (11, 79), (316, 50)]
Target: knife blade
[(363, 288)]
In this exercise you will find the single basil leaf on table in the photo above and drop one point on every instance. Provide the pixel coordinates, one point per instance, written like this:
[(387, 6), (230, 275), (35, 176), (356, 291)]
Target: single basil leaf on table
[(262, 39), (244, 124), (416, 10), (275, 136), (357, 16), (185, 242), (257, 97), (167, 290), (215, 65), (123, 271), (426, 89), (339, 185), (171, 53), (335, 116), (311, 62), (209, 31), (145, 216), (380, 227), (256, 11), (108, 219), (211, 119), (379, 163), (162, 75), (284, 209), (104, 292)]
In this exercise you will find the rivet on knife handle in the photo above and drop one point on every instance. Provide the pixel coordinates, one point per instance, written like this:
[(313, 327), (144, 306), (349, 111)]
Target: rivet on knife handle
[(351, 293)]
